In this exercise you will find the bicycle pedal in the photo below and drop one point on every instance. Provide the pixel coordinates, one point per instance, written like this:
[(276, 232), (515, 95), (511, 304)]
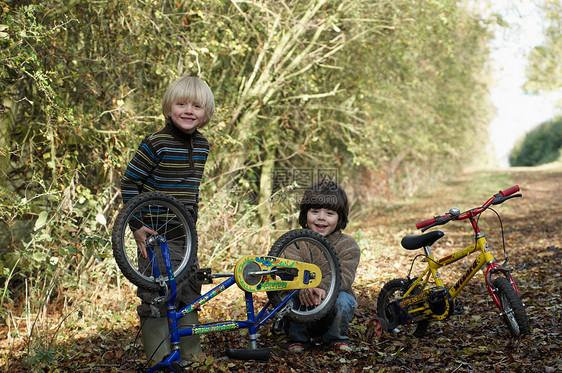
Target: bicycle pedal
[(182, 364), (203, 276), (459, 308), (279, 326)]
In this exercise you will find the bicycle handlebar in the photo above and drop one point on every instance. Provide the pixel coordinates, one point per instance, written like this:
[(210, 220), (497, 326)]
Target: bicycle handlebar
[(496, 199), (425, 223), (509, 191)]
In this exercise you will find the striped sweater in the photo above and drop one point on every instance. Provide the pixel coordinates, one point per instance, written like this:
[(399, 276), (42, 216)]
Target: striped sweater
[(168, 161)]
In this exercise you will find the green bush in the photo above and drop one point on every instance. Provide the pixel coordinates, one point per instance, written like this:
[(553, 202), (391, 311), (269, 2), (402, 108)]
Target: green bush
[(315, 88), (541, 145)]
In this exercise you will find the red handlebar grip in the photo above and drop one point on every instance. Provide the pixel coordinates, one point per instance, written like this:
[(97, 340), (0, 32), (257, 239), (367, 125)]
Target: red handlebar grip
[(425, 223), (509, 191)]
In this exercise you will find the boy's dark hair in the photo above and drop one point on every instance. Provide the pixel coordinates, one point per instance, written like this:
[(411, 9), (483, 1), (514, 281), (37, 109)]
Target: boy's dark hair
[(328, 195)]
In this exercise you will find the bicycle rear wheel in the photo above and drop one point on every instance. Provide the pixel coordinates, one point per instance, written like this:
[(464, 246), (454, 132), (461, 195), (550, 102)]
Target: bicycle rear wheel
[(393, 291), (165, 215), (304, 245), (513, 310)]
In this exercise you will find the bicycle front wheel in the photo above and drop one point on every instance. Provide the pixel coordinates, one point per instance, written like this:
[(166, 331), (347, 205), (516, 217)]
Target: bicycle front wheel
[(165, 215), (513, 310), (304, 245)]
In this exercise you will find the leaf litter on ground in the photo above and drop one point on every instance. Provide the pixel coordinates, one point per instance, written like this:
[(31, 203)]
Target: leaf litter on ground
[(477, 341)]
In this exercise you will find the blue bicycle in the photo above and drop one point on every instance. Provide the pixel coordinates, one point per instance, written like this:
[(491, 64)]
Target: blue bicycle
[(155, 243)]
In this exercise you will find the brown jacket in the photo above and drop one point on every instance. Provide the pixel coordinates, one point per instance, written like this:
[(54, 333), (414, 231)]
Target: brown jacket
[(349, 254)]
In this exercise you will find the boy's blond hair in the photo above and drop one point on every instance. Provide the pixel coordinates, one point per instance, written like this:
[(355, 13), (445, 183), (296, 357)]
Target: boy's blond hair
[(192, 89)]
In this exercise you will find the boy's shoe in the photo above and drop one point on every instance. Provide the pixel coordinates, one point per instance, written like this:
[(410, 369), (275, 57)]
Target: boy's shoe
[(341, 347), (295, 347)]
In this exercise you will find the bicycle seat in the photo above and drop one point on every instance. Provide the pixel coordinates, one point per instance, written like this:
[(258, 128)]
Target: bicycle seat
[(414, 241)]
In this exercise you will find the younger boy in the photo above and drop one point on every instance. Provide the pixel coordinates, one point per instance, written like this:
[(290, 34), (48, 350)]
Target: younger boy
[(324, 209)]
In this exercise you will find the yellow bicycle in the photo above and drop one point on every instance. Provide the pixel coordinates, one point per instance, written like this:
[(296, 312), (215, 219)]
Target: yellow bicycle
[(411, 303)]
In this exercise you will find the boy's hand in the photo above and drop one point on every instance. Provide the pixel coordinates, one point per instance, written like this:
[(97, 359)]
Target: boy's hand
[(311, 297), (140, 237)]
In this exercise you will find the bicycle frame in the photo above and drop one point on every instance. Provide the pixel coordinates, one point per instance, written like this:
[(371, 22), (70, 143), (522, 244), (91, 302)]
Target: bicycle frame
[(252, 323), (483, 258)]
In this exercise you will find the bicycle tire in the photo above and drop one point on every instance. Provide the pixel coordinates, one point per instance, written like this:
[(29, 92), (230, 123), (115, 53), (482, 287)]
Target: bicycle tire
[(513, 310), (169, 218), (308, 246), (391, 291)]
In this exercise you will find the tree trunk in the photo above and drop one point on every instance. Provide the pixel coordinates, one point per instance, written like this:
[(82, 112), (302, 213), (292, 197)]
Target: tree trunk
[(6, 125)]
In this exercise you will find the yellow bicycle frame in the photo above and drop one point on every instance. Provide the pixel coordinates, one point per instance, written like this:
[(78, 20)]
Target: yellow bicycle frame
[(432, 270)]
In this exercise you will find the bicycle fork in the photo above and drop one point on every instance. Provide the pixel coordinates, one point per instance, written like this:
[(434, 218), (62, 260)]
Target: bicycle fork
[(494, 268), (174, 356)]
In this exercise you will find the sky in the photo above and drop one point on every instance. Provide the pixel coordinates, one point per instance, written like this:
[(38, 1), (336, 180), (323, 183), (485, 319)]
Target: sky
[(517, 112)]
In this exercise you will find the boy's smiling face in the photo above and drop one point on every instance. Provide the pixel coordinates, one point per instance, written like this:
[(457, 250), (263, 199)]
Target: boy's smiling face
[(322, 221), (187, 115)]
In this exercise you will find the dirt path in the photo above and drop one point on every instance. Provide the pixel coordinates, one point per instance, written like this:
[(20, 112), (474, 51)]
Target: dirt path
[(477, 341)]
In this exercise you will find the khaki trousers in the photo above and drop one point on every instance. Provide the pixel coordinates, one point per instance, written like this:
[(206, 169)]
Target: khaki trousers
[(155, 330)]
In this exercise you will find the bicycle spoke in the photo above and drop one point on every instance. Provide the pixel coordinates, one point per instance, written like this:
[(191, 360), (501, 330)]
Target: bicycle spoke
[(308, 246), (168, 218)]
